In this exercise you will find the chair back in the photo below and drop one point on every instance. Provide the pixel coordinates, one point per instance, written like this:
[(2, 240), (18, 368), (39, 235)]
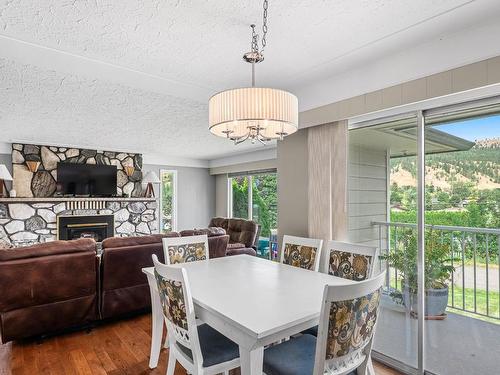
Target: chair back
[(301, 252), (178, 308), (185, 249), (347, 325), (351, 261)]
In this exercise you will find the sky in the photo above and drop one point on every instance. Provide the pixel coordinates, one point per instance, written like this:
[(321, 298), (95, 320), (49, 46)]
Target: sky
[(481, 128)]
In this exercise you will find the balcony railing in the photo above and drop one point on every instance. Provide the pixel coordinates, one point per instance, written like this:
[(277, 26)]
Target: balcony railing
[(475, 256)]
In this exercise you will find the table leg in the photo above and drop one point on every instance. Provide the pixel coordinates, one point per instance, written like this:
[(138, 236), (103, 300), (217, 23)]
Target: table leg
[(251, 361), (156, 326)]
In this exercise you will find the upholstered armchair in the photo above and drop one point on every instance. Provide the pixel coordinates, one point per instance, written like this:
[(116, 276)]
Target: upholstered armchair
[(242, 234)]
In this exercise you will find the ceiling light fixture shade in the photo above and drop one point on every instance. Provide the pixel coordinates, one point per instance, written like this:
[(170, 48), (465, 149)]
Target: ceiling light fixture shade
[(255, 113), (242, 113)]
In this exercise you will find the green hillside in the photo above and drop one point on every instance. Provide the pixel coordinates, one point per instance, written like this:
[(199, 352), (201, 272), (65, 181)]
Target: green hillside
[(480, 166)]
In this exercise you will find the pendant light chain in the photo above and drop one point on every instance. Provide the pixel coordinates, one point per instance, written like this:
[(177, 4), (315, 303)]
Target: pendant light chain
[(256, 114), (264, 26)]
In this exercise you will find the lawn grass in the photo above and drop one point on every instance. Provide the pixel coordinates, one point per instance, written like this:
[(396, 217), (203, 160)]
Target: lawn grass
[(460, 294), (468, 294)]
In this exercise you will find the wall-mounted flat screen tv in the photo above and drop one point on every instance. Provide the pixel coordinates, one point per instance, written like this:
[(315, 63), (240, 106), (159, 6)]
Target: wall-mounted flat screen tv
[(91, 180)]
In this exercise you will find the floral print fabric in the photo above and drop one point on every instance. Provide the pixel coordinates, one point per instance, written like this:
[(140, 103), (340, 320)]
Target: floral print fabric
[(187, 253), (351, 324), (300, 256), (172, 301), (349, 265)]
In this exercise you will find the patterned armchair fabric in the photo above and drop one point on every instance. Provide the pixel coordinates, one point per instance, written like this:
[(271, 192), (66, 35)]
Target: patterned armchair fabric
[(349, 265), (300, 256), (172, 301), (187, 253), (351, 325)]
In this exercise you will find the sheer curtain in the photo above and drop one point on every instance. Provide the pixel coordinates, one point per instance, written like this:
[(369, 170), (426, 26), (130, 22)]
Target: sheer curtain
[(327, 187)]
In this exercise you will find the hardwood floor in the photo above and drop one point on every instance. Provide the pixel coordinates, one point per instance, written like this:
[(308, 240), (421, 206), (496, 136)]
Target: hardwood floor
[(117, 348)]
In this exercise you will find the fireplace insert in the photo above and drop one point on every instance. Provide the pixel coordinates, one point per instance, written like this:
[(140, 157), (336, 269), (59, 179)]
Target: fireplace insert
[(97, 227)]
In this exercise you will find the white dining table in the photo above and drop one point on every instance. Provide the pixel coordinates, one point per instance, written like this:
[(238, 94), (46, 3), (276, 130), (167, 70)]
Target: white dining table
[(252, 301)]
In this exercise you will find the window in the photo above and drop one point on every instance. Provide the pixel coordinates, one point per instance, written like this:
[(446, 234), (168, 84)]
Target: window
[(258, 203), (168, 200)]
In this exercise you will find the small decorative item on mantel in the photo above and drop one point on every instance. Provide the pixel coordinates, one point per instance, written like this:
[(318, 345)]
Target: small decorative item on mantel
[(4, 176), (13, 193), (150, 178), (129, 171), (32, 165)]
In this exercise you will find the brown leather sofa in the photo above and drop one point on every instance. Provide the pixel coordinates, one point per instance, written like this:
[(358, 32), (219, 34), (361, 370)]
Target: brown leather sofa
[(124, 288), (242, 234), (47, 288), (50, 287)]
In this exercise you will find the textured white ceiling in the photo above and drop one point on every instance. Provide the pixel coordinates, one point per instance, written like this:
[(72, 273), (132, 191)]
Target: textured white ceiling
[(197, 44)]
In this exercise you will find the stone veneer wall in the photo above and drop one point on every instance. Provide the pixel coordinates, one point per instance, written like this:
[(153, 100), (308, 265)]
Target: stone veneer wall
[(42, 183), (37, 220)]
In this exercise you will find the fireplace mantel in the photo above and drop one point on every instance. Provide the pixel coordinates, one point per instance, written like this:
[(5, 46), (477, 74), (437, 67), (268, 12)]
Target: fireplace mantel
[(73, 199)]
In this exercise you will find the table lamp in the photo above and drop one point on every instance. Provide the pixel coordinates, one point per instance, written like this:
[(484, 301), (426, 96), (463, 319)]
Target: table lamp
[(150, 178), (4, 176)]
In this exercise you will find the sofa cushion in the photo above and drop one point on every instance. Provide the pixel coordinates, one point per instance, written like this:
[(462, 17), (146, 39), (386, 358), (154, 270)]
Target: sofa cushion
[(236, 245), (48, 248), (240, 251), (220, 222), (210, 232), (243, 231), (136, 240)]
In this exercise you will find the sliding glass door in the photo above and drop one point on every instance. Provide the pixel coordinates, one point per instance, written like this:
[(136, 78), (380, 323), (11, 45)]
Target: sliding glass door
[(254, 197), (439, 234), (383, 182)]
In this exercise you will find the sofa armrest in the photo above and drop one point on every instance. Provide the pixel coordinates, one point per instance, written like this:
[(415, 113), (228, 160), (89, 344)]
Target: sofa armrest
[(217, 246)]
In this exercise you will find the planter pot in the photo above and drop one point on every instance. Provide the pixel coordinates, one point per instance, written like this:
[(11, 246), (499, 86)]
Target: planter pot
[(436, 301)]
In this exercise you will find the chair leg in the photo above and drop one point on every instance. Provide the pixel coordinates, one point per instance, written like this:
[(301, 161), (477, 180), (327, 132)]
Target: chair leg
[(366, 368), (171, 364), (166, 343)]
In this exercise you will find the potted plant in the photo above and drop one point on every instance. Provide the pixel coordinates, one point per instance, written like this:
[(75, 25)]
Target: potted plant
[(438, 271)]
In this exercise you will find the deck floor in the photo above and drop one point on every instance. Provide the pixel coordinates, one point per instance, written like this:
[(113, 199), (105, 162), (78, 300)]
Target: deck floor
[(458, 345)]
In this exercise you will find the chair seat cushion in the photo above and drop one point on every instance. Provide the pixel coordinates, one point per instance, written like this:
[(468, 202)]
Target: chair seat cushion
[(215, 347), (292, 357), (311, 331)]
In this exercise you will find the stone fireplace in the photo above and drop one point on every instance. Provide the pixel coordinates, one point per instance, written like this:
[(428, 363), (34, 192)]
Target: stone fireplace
[(36, 219), (97, 227)]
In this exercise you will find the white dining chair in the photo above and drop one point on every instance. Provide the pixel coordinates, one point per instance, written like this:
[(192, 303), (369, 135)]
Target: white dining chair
[(185, 249), (351, 261), (201, 350), (346, 328), (301, 252)]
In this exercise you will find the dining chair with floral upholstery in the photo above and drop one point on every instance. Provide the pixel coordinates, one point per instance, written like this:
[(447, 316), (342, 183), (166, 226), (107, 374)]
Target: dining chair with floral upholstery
[(200, 349), (346, 328), (185, 249), (351, 261), (301, 252)]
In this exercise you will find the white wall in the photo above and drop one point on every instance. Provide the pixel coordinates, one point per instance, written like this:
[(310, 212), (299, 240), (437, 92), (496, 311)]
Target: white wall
[(195, 195), (293, 198), (367, 190), (6, 159)]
